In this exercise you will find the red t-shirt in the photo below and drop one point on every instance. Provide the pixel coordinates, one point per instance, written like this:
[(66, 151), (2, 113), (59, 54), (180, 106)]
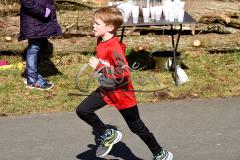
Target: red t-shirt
[(113, 65)]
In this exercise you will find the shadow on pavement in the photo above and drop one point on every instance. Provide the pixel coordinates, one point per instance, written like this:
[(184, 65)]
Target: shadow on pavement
[(119, 150)]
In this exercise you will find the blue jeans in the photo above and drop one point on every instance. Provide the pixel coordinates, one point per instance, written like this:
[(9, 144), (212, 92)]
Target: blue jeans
[(35, 47)]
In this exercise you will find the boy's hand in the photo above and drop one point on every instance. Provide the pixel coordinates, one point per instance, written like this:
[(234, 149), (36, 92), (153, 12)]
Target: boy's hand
[(93, 62)]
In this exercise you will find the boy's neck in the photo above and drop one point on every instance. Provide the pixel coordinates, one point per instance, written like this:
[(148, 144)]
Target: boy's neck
[(107, 36)]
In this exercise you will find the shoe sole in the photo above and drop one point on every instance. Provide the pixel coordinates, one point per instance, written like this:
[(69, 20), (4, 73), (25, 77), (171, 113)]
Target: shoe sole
[(30, 87), (170, 156), (114, 142), (25, 81)]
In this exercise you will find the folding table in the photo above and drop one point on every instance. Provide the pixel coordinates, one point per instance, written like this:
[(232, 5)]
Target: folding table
[(187, 20)]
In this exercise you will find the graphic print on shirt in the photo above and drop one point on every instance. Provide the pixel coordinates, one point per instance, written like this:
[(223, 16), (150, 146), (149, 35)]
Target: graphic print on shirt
[(116, 74), (104, 62)]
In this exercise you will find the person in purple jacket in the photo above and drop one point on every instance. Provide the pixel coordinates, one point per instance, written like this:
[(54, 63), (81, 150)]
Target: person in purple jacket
[(38, 22)]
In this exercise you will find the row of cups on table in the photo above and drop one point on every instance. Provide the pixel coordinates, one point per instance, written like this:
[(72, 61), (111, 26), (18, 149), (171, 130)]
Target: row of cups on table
[(171, 11)]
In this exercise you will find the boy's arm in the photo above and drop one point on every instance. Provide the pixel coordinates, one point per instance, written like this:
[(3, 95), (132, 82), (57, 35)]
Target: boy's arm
[(36, 9)]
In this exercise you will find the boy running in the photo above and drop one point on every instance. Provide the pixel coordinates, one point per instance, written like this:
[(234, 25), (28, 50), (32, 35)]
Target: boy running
[(116, 87)]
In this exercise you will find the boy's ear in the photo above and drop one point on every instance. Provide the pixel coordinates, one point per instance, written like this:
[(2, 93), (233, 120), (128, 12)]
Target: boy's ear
[(110, 28)]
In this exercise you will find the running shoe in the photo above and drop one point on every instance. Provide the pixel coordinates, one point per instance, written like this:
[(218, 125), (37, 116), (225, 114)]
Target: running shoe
[(164, 155), (110, 138)]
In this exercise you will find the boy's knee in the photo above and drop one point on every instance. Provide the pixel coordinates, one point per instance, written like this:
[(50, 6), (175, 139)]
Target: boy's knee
[(81, 111)]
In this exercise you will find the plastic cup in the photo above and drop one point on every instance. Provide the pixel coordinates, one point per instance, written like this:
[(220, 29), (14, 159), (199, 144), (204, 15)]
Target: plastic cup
[(175, 10), (180, 15), (152, 11), (125, 13), (135, 14), (125, 17), (146, 13), (166, 11), (158, 12), (135, 18), (181, 4), (171, 16), (178, 5)]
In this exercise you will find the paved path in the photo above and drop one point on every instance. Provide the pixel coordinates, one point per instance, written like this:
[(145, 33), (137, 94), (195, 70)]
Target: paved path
[(191, 129)]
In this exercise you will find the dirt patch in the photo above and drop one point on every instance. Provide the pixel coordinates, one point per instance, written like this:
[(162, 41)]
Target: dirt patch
[(198, 8)]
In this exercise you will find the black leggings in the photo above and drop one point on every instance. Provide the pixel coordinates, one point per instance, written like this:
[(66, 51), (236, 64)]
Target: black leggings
[(131, 115)]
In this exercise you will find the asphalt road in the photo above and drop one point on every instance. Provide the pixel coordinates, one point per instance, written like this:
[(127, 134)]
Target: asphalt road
[(190, 129)]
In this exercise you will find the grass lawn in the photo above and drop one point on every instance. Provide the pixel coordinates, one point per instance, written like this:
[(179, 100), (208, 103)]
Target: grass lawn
[(211, 75)]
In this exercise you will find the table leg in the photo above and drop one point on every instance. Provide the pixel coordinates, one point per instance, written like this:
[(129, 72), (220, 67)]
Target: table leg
[(174, 66), (122, 34)]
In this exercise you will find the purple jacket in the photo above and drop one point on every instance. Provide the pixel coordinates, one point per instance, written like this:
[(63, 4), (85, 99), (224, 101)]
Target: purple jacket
[(35, 22)]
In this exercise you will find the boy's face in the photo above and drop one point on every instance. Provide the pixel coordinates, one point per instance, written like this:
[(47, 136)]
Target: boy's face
[(100, 29)]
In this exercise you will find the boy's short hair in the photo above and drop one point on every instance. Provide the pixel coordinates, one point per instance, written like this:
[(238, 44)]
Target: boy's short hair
[(110, 15)]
